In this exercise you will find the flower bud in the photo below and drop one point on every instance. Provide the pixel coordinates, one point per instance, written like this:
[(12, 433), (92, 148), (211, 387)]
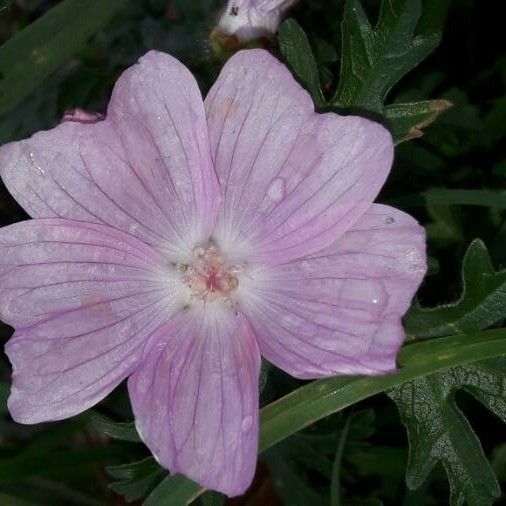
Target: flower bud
[(252, 19)]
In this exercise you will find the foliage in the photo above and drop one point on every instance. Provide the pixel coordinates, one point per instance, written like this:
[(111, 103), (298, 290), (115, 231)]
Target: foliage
[(438, 430), (450, 172)]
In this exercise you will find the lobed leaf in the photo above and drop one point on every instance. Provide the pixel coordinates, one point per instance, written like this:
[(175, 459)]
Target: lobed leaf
[(483, 300), (407, 121), (297, 52), (439, 431), (374, 59)]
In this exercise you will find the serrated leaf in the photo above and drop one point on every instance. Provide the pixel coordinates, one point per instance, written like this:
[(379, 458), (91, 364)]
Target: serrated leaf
[(373, 60), (407, 121), (439, 431), (483, 300), (122, 431), (297, 52), (137, 478)]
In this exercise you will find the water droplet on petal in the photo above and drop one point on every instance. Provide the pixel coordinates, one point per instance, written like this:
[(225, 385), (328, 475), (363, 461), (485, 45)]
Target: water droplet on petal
[(34, 164), (247, 423), (389, 220), (277, 189)]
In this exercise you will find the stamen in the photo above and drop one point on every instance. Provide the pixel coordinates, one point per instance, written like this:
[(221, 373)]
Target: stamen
[(209, 276)]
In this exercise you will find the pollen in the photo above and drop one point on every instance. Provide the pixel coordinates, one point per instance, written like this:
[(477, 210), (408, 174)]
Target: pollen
[(209, 276)]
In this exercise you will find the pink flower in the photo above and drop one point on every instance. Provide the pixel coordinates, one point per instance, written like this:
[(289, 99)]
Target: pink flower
[(176, 241), (252, 19)]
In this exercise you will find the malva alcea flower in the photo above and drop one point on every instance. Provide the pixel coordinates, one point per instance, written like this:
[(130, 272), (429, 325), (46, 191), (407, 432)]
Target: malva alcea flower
[(252, 19), (176, 241)]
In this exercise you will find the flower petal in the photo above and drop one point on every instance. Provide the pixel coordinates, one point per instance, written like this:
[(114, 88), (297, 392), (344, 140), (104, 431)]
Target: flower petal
[(195, 400), (251, 19), (339, 311), (292, 180), (84, 299), (146, 169)]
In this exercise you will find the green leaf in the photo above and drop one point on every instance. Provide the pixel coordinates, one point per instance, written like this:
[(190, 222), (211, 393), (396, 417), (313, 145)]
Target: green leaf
[(41, 48), (290, 485), (121, 431), (373, 60), (321, 398), (483, 300), (10, 500), (442, 196), (137, 478), (212, 498), (494, 126), (4, 394), (5, 5), (439, 431), (407, 121), (446, 225), (297, 52), (335, 486), (174, 490)]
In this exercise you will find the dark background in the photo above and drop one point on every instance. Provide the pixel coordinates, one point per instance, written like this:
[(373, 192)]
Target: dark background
[(65, 463)]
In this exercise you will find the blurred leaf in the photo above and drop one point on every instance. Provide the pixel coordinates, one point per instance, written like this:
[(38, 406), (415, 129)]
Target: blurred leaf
[(447, 226), (302, 449), (9, 500), (38, 50), (464, 115), (212, 498), (121, 431), (335, 485), (434, 15), (499, 462), (297, 52), (4, 5), (325, 52), (56, 463), (137, 478), (4, 394), (290, 484), (407, 121), (494, 125), (499, 169), (363, 502), (385, 461), (321, 398), (446, 197), (483, 300), (438, 430), (373, 60)]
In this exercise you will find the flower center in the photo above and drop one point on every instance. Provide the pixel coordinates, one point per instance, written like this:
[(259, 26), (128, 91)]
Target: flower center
[(208, 276)]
